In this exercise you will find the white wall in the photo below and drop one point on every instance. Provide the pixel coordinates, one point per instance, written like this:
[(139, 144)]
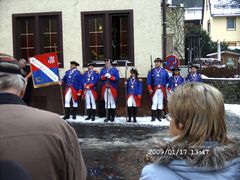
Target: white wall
[(147, 25)]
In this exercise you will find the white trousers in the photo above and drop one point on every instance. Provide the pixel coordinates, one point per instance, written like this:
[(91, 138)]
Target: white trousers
[(131, 102), (157, 101), (68, 97), (108, 97), (89, 100)]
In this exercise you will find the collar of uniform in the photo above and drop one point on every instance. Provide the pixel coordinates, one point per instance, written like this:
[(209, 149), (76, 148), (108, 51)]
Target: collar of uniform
[(8, 98), (72, 70), (110, 67)]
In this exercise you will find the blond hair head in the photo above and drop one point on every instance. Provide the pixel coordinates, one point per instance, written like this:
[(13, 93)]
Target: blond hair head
[(199, 108)]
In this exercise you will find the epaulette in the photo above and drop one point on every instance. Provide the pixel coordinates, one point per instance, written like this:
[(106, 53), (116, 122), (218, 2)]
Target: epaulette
[(96, 71), (140, 79)]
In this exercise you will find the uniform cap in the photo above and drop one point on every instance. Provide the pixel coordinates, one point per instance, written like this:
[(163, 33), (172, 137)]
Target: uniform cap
[(133, 70), (158, 60), (74, 63), (108, 59), (194, 65), (91, 64), (176, 69)]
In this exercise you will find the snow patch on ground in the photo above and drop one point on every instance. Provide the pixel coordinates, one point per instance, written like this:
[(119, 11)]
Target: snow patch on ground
[(227, 79), (122, 120), (233, 108)]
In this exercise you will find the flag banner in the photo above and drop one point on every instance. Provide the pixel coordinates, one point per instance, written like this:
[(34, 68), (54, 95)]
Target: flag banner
[(44, 69)]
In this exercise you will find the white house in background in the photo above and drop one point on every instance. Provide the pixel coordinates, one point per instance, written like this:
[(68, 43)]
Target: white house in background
[(221, 19), (193, 14), (85, 31), (193, 17)]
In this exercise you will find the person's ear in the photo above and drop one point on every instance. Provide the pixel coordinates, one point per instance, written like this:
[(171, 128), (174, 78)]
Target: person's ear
[(22, 92)]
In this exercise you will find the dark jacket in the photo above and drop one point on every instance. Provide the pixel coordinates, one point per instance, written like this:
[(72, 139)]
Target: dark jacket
[(39, 141), (178, 162), (10, 170)]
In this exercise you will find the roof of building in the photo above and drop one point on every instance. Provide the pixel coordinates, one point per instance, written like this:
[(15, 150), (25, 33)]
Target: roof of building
[(223, 52), (224, 7)]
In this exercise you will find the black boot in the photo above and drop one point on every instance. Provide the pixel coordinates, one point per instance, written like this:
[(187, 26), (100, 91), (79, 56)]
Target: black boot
[(88, 114), (93, 114), (112, 112), (154, 113), (67, 113), (74, 113), (164, 114), (159, 114), (129, 111), (134, 114), (107, 116)]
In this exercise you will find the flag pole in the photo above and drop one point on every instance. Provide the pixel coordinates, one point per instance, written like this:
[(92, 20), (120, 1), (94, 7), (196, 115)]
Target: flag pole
[(107, 87), (61, 91), (126, 108)]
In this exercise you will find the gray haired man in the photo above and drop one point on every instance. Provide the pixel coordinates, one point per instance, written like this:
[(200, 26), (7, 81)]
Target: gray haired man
[(39, 141)]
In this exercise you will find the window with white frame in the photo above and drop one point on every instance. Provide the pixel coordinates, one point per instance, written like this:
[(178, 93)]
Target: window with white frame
[(231, 23)]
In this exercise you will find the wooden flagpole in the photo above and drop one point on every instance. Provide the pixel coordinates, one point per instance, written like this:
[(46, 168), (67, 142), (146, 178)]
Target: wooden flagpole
[(126, 108), (61, 91)]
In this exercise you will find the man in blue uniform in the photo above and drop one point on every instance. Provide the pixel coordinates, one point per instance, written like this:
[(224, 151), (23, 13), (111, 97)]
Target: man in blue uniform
[(157, 80), (134, 94), (193, 76), (110, 77), (73, 82), (90, 80), (175, 80)]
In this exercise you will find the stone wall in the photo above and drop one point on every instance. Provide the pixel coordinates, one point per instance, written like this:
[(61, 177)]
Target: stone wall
[(229, 87)]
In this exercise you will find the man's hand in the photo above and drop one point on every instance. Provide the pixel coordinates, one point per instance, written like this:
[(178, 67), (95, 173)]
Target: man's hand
[(150, 91), (60, 83)]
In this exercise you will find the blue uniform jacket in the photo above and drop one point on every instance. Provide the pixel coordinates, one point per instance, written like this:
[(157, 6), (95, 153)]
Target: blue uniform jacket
[(175, 81), (159, 77), (191, 78), (134, 87), (91, 78), (73, 79), (113, 81)]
